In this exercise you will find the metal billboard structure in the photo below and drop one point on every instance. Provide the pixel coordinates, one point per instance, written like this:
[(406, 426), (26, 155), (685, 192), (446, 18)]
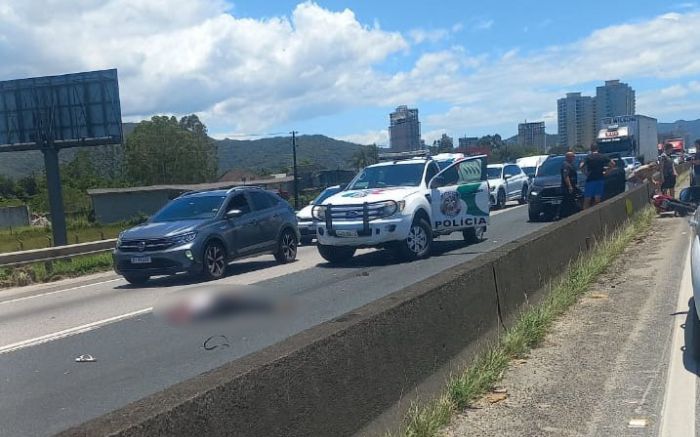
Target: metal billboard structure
[(55, 112)]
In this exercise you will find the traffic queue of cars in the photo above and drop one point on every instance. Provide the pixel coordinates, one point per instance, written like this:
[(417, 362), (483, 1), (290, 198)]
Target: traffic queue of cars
[(402, 204)]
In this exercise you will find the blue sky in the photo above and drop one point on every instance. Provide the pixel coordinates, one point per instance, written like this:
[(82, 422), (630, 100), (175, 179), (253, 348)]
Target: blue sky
[(253, 68)]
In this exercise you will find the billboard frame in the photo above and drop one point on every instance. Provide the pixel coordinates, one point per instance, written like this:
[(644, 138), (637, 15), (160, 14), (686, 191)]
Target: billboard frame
[(51, 113)]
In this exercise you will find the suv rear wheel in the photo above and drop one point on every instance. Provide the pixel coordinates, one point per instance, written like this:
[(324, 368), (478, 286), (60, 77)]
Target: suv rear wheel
[(336, 254), (501, 199), (419, 241), (136, 278), (287, 247), (523, 196), (214, 261)]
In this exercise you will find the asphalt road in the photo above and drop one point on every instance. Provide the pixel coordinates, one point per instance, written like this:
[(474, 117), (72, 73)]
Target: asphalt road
[(44, 328)]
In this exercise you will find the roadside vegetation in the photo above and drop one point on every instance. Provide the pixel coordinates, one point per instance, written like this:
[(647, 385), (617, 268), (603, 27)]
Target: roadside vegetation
[(43, 272), (487, 369)]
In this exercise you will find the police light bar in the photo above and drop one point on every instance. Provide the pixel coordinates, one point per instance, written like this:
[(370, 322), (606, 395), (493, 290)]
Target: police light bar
[(398, 156)]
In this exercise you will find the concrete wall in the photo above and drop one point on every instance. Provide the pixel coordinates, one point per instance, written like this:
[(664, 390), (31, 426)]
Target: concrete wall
[(116, 207), (14, 216), (335, 378)]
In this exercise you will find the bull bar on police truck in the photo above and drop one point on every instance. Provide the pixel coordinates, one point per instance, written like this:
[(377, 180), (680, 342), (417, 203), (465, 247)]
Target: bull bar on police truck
[(368, 211)]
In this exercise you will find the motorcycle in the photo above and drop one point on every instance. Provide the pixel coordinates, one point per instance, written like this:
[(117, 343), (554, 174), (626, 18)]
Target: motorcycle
[(686, 203)]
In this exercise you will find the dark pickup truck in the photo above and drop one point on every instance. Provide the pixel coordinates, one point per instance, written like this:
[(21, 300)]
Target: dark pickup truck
[(545, 194)]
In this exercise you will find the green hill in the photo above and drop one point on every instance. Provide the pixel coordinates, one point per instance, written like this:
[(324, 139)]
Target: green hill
[(266, 154), (273, 154)]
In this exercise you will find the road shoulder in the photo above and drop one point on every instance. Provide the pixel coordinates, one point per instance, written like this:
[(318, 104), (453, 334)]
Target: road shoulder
[(602, 370)]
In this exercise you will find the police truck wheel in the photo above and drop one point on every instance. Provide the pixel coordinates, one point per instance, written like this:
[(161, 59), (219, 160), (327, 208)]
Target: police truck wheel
[(336, 254), (419, 241), (474, 235)]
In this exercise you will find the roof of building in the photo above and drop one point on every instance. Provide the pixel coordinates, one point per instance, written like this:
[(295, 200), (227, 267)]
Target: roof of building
[(189, 187)]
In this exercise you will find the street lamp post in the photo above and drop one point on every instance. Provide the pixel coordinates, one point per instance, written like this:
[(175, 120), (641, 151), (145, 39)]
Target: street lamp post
[(296, 177)]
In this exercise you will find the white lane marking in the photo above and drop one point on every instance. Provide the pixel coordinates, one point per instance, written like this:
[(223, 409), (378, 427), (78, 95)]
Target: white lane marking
[(678, 412), (94, 325), (512, 208), (71, 331), (92, 284)]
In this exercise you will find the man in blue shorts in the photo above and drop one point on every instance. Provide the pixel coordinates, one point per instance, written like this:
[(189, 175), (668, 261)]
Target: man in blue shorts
[(594, 168)]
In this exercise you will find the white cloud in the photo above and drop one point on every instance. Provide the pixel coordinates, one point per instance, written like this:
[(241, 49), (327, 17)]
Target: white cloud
[(420, 36), (504, 90), (484, 24), (686, 5), (253, 75), (378, 137), (184, 56)]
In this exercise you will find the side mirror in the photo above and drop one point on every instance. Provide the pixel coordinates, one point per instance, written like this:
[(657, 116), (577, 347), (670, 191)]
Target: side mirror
[(506, 177), (234, 213), (437, 182)]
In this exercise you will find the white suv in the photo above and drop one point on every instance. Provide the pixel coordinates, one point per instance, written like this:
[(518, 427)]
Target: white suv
[(507, 182), (403, 205)]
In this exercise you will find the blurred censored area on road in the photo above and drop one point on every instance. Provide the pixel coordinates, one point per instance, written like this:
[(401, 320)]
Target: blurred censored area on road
[(210, 302)]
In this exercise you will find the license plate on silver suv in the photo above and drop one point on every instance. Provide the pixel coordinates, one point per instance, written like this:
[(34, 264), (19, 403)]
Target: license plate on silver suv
[(141, 260), (346, 233)]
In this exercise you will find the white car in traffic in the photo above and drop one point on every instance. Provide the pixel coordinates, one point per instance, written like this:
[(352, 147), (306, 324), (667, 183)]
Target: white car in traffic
[(631, 164), (307, 224), (506, 182), (529, 164)]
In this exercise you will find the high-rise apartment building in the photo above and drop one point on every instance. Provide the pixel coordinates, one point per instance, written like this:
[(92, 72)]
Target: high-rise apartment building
[(613, 99), (404, 130), (576, 121), (532, 135), (466, 142)]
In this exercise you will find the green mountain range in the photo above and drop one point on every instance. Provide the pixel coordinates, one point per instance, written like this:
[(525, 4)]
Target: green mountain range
[(275, 154)]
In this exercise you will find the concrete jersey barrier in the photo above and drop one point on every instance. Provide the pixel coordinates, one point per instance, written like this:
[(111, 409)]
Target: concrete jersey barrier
[(337, 377)]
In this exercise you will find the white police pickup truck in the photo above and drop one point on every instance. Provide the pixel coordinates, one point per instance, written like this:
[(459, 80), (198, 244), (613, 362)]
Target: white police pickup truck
[(403, 205)]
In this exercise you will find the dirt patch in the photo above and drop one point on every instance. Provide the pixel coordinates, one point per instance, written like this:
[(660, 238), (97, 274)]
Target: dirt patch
[(603, 364)]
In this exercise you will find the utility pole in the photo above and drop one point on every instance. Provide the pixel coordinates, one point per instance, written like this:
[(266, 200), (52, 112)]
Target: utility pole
[(53, 183), (296, 177)]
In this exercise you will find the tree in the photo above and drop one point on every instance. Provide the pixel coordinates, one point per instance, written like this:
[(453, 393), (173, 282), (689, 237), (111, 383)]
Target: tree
[(366, 155), (164, 150)]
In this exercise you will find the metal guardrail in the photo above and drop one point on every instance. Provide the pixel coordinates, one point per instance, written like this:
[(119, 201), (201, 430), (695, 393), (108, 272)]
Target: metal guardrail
[(14, 259)]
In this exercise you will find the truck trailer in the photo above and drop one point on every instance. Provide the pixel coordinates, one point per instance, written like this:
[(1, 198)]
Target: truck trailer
[(629, 135)]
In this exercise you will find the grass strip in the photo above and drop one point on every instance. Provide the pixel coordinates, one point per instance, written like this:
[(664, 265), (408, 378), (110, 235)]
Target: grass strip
[(68, 268), (533, 325)]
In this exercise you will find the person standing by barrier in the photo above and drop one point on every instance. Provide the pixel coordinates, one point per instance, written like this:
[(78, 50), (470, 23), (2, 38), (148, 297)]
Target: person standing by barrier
[(695, 175), (569, 186), (668, 171), (594, 166)]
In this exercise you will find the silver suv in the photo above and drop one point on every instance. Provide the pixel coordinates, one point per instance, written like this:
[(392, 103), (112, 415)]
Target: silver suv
[(201, 232)]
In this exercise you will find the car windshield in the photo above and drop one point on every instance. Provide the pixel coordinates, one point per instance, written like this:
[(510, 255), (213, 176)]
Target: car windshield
[(328, 192), (494, 172), (529, 171), (401, 175), (190, 208)]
